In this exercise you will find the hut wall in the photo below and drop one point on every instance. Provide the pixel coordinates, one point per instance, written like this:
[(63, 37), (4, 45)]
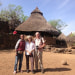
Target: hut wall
[(8, 41), (61, 43), (50, 40), (70, 43)]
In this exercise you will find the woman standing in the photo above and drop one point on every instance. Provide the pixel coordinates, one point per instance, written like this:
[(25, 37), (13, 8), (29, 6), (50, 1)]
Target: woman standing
[(29, 49)]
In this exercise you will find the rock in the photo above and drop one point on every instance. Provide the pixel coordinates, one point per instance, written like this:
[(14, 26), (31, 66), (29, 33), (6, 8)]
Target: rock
[(64, 62), (60, 50), (66, 50), (48, 50), (47, 46), (54, 51), (53, 48), (73, 47), (73, 51), (69, 50)]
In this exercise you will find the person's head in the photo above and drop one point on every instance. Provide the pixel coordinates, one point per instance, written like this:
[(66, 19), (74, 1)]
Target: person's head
[(37, 34), (29, 38), (22, 37)]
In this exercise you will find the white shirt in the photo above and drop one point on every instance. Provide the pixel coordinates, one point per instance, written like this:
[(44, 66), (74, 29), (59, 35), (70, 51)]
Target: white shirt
[(29, 46), (17, 43), (39, 41)]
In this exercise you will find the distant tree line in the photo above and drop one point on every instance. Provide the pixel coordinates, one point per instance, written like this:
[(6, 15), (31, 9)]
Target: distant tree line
[(58, 24), (14, 15)]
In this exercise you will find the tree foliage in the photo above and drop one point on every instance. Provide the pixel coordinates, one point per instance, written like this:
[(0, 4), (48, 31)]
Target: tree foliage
[(58, 24), (72, 34), (14, 15)]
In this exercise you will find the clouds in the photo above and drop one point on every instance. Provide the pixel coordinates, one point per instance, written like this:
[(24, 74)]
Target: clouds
[(63, 4)]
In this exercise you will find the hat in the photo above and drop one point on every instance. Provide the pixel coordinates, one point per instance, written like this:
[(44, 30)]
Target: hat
[(29, 36)]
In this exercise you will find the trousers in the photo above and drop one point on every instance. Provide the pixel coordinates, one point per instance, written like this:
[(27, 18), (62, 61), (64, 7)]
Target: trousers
[(27, 62), (38, 59), (19, 58)]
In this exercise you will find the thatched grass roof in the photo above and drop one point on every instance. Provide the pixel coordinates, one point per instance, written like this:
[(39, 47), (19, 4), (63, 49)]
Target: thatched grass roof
[(36, 22), (62, 37), (71, 37)]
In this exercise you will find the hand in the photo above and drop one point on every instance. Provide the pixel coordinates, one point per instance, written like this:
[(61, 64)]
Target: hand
[(40, 47), (16, 53), (29, 53)]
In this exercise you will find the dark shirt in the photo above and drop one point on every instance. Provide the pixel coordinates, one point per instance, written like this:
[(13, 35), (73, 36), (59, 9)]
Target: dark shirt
[(21, 46)]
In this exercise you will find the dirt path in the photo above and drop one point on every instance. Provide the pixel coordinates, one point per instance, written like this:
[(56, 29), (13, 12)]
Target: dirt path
[(51, 61)]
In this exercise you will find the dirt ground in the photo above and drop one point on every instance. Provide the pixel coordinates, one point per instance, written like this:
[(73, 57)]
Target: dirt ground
[(51, 62)]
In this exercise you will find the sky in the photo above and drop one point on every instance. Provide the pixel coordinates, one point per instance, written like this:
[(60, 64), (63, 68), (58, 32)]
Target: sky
[(52, 10)]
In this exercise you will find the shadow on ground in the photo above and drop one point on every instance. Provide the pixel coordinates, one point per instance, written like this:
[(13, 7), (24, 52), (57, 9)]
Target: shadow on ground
[(56, 69), (8, 50)]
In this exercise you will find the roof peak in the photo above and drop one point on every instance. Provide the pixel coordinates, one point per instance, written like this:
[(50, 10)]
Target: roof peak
[(36, 10)]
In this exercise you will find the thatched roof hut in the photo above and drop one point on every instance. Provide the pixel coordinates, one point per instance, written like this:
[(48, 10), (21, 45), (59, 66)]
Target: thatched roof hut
[(36, 22), (71, 40), (61, 37), (61, 41), (71, 37)]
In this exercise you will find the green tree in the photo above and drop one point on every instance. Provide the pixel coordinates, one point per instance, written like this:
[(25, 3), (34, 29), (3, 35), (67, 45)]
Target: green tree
[(58, 24), (14, 15), (72, 34)]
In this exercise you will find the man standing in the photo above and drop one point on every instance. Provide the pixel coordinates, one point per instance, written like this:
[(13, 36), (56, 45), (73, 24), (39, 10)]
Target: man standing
[(39, 44), (20, 47)]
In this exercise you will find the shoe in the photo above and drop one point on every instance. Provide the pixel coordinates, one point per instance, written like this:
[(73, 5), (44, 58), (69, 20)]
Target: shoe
[(33, 72), (27, 71), (36, 70), (42, 71), (21, 71), (14, 72)]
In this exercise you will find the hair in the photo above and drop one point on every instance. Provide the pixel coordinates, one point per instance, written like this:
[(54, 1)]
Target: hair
[(29, 36), (21, 35), (37, 33)]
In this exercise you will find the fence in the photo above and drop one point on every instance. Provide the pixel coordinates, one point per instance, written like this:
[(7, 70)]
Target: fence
[(8, 41)]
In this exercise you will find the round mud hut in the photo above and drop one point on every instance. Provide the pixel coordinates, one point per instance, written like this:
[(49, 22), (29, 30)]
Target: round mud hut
[(61, 40), (36, 22), (71, 40)]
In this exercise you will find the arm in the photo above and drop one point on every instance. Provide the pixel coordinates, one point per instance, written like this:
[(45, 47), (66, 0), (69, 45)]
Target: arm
[(26, 48), (33, 48), (17, 44), (31, 52), (27, 51), (43, 45), (43, 41)]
